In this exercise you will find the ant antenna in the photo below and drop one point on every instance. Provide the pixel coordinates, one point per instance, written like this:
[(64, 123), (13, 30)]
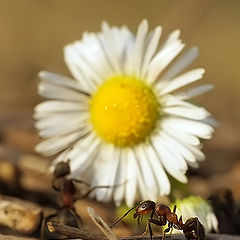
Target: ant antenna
[(122, 217)]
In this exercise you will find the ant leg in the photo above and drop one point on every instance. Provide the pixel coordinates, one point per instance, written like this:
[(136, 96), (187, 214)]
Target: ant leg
[(146, 230), (159, 223), (148, 227), (92, 189), (174, 208), (170, 227), (54, 185), (97, 187), (174, 211), (78, 218), (150, 231), (80, 181)]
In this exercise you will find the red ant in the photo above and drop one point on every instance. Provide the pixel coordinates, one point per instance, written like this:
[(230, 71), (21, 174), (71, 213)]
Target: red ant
[(192, 228), (66, 186)]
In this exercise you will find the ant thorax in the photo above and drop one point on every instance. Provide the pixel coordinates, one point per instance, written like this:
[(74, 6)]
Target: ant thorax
[(162, 210)]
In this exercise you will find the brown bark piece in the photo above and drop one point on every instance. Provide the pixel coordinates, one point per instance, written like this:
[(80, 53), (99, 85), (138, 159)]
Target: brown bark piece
[(8, 237), (19, 215)]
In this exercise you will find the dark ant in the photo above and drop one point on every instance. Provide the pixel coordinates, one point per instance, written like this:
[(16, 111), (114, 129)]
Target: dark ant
[(66, 186), (192, 228)]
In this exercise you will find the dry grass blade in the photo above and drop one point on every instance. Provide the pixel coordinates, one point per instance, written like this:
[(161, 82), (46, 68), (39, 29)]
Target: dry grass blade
[(101, 224)]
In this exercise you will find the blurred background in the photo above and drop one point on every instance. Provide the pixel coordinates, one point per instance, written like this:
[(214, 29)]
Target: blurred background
[(32, 36)]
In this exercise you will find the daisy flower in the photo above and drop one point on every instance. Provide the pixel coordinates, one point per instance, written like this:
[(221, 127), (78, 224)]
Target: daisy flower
[(120, 120), (197, 207)]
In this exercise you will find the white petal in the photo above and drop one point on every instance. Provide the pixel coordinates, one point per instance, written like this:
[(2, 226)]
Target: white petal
[(62, 130), (106, 172), (128, 56), (93, 52), (147, 173), (86, 84), (108, 42), (121, 178), (74, 151), (131, 185), (179, 147), (151, 49), (174, 150), (141, 186), (79, 68), (79, 152), (61, 81), (162, 59), (158, 171), (180, 134), (121, 38), (56, 144), (168, 160), (57, 131), (61, 157), (180, 64), (87, 140), (56, 92), (63, 120), (196, 128), (82, 158), (87, 62), (182, 80), (171, 100), (172, 38), (197, 153), (138, 48), (190, 111), (214, 222), (53, 107), (115, 156), (175, 106), (194, 165), (211, 121), (194, 92), (94, 167)]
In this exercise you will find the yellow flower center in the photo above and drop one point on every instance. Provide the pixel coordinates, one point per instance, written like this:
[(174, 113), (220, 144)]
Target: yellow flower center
[(124, 111)]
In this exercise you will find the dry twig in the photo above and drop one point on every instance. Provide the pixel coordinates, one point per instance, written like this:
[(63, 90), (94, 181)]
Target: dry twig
[(86, 235)]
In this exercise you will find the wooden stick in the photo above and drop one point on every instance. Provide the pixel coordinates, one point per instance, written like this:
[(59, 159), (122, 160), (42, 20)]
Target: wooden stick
[(86, 235), (73, 232)]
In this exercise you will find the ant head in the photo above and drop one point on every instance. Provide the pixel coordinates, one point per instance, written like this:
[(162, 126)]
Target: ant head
[(144, 208), (62, 169)]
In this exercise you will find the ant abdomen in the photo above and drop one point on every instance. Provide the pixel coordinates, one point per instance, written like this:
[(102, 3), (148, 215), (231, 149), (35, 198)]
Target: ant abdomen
[(193, 229)]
